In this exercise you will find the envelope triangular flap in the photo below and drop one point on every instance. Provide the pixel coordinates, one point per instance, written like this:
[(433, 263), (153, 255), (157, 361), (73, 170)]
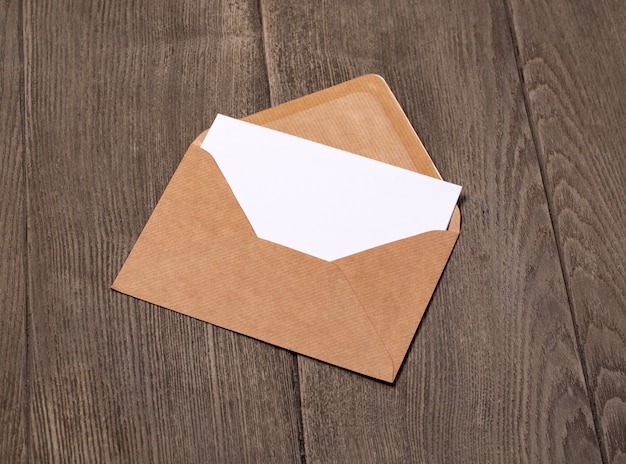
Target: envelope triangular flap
[(359, 116)]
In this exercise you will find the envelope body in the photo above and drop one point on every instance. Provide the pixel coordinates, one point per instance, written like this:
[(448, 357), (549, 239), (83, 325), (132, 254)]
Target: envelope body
[(198, 254)]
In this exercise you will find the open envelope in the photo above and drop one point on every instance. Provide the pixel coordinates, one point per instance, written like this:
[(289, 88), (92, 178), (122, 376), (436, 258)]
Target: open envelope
[(199, 255)]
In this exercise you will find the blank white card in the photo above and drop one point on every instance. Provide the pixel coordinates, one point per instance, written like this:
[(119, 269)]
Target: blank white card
[(322, 201)]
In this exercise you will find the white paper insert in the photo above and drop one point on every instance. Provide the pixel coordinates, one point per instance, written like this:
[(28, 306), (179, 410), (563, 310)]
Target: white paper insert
[(322, 201)]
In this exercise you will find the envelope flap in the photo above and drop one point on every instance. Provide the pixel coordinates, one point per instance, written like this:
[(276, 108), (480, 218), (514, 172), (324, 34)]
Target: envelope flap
[(360, 116)]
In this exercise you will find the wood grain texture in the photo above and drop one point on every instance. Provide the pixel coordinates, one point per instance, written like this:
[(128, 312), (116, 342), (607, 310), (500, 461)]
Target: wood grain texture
[(115, 92), (494, 373), (573, 59), (98, 102), (12, 241)]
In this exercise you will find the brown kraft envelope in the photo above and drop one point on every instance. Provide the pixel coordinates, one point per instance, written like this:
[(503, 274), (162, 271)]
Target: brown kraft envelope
[(198, 254)]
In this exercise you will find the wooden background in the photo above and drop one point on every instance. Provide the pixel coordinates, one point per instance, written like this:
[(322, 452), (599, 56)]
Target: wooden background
[(521, 356)]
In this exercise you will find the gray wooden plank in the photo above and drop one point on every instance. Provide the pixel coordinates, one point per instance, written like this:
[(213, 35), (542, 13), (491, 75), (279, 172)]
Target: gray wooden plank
[(116, 91), (573, 59), (12, 241), (493, 374)]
